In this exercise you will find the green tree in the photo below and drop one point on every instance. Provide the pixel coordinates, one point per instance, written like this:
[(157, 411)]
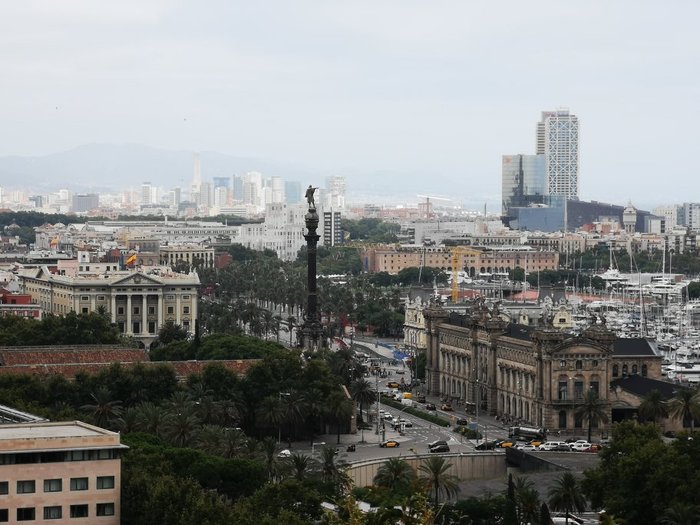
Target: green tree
[(685, 405), (653, 407), (396, 475), (593, 410), (681, 514), (362, 393), (435, 475), (565, 495), (338, 409), (103, 410)]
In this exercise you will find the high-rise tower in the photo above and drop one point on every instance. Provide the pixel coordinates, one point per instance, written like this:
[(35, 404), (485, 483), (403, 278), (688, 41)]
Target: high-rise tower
[(558, 140)]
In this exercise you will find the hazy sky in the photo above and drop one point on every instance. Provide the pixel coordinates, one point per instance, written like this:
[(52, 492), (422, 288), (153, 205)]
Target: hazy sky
[(434, 89)]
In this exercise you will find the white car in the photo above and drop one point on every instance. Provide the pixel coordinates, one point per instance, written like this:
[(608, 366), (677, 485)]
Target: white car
[(284, 453), (580, 446), (527, 448)]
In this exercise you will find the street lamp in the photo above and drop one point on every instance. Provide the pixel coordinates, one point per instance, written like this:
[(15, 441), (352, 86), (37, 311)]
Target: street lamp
[(279, 428)]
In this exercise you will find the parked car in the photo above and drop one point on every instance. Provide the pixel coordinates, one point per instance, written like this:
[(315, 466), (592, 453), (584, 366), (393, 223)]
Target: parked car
[(580, 446), (462, 421), (430, 406), (436, 443), (447, 407), (561, 447), (527, 448), (487, 445), (393, 384), (506, 443), (389, 443), (440, 448), (284, 453)]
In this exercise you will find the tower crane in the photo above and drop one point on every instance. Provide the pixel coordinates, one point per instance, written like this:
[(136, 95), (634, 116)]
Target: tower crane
[(426, 207)]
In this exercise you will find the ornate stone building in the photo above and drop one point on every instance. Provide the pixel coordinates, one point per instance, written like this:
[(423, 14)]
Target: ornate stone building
[(536, 374)]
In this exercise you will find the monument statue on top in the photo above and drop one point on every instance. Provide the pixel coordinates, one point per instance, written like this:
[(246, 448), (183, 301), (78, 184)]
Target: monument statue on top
[(310, 197)]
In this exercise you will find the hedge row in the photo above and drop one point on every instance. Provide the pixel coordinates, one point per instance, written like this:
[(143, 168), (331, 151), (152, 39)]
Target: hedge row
[(416, 412)]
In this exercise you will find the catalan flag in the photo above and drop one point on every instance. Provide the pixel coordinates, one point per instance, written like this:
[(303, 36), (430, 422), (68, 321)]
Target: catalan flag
[(131, 259)]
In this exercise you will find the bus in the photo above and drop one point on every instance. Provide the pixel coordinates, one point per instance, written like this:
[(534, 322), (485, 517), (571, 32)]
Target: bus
[(526, 433)]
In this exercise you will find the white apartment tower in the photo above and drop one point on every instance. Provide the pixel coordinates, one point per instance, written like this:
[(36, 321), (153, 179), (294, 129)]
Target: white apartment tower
[(558, 140), (335, 192)]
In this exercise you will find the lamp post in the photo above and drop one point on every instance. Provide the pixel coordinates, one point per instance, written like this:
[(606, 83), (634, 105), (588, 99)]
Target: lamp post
[(279, 428)]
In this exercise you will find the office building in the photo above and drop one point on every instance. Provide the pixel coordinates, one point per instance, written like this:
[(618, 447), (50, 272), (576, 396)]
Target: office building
[(64, 471), (332, 232), (83, 202), (558, 141), (523, 181)]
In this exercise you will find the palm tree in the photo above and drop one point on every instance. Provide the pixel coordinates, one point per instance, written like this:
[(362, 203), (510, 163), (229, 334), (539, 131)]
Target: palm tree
[(302, 465), (362, 393), (333, 471), (270, 412), (395, 473), (151, 418), (527, 500), (103, 410), (565, 495), (593, 409), (653, 408), (437, 479), (180, 428), (681, 514), (269, 452), (685, 405), (233, 441), (338, 409), (209, 439), (292, 412), (128, 422)]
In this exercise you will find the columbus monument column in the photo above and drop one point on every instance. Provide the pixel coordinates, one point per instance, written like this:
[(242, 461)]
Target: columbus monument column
[(311, 329)]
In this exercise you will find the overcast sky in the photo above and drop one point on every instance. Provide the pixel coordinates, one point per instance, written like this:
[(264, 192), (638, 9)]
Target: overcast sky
[(438, 89)]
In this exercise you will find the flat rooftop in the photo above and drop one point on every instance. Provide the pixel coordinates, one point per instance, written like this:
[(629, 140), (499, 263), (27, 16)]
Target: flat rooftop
[(59, 435), (50, 430)]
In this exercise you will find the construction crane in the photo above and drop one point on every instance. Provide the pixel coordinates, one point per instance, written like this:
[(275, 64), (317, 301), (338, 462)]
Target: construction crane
[(426, 208), (458, 253)]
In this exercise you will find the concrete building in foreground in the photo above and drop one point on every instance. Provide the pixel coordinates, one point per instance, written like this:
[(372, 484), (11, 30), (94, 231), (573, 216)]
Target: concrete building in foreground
[(66, 472)]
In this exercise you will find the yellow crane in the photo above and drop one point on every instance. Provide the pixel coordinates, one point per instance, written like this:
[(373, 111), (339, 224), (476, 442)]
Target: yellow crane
[(458, 252)]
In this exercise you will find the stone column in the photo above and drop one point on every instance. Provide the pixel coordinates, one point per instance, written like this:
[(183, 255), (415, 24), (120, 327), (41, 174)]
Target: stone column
[(114, 307), (178, 308), (159, 308), (144, 314), (129, 329)]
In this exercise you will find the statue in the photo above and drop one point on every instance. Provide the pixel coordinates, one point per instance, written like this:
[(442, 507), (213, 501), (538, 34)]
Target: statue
[(310, 196)]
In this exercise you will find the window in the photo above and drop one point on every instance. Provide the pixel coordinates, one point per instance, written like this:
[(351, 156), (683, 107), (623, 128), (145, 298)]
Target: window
[(137, 310), (562, 419), (616, 371), (53, 485), (105, 482), (84, 310), (26, 514), (634, 369), (53, 513), (624, 370), (171, 310), (4, 515), (4, 487), (151, 310), (579, 365), (120, 310), (594, 363), (185, 309), (151, 327), (562, 363), (78, 511), (137, 327), (644, 370), (563, 387), (105, 509), (595, 387), (78, 484), (185, 297), (26, 486)]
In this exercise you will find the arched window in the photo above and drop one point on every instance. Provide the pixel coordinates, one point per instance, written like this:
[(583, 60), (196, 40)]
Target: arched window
[(579, 365), (634, 370), (644, 370), (562, 419), (624, 370), (616, 371)]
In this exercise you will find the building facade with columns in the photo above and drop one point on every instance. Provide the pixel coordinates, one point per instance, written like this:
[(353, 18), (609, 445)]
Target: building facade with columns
[(538, 375), (138, 302)]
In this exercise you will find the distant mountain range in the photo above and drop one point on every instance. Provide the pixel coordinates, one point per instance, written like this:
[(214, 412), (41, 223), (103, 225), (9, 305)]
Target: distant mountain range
[(110, 167), (103, 167)]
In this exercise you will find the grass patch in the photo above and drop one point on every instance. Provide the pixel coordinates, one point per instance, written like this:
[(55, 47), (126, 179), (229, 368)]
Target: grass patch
[(441, 421)]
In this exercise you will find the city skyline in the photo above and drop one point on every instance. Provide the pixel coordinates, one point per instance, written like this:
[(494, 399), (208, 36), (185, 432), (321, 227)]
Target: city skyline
[(366, 91)]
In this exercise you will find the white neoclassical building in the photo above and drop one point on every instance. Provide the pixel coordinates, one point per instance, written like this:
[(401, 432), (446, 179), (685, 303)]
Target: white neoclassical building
[(138, 302)]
